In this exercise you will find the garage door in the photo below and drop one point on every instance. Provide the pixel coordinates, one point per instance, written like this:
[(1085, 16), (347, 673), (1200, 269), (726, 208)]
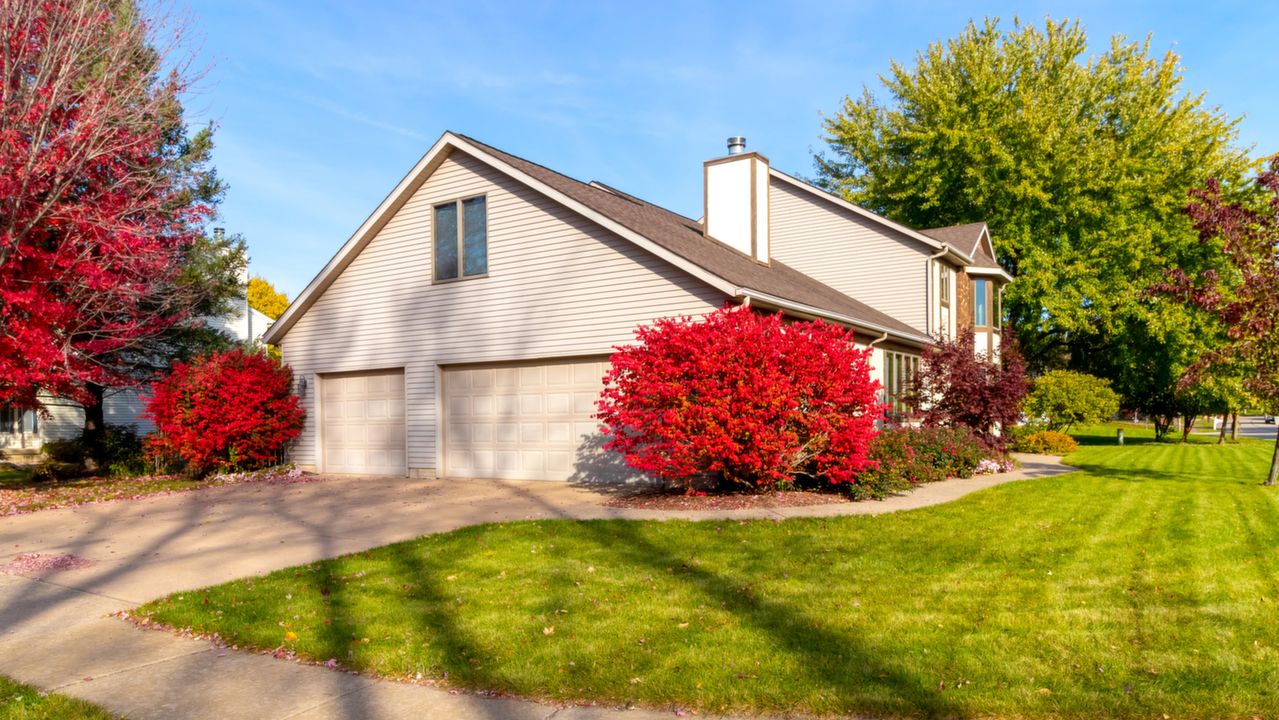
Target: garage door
[(362, 422), (521, 422)]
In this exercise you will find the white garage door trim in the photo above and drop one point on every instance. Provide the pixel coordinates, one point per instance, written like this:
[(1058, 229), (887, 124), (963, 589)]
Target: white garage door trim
[(518, 420), (363, 422)]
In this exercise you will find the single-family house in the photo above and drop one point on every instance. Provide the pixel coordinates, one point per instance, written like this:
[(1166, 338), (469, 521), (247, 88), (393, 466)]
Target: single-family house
[(464, 328)]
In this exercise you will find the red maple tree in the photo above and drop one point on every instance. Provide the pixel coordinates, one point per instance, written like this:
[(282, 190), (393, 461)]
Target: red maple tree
[(1246, 301), (743, 397), (96, 203), (957, 386)]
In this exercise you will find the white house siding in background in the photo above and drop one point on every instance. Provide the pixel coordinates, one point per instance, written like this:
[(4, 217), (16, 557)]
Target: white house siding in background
[(557, 286), (855, 255), (124, 406)]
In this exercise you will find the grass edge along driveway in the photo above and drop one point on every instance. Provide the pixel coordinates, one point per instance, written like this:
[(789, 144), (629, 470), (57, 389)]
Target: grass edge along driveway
[(23, 702), (1146, 584)]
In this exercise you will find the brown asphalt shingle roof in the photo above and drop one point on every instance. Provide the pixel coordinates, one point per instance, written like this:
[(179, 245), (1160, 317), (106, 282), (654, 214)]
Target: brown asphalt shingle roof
[(685, 238), (964, 238)]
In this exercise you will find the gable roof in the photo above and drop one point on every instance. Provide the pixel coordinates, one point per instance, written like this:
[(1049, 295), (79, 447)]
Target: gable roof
[(971, 238), (672, 237)]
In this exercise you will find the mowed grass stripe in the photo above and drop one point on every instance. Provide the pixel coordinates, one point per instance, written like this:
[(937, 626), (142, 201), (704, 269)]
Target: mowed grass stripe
[(1141, 586)]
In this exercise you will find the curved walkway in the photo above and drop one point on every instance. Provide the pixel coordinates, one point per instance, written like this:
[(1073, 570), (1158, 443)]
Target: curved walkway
[(57, 629)]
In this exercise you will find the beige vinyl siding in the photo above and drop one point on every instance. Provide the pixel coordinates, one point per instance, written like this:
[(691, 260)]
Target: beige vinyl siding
[(860, 258), (558, 286)]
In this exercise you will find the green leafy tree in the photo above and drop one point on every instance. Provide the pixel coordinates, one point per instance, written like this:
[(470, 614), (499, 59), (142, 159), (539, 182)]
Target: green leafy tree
[(264, 298), (1068, 398), (1080, 165)]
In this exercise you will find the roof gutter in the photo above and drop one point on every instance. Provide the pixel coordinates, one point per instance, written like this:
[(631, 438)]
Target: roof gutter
[(816, 312)]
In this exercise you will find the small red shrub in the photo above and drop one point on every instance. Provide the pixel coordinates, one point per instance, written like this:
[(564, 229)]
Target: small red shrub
[(226, 411), (743, 397)]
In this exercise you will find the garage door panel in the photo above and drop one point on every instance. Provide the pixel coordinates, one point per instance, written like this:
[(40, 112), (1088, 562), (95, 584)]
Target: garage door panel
[(520, 422), (362, 425)]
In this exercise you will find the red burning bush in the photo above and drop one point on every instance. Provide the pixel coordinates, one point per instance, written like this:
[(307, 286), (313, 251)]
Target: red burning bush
[(741, 397), (228, 411)]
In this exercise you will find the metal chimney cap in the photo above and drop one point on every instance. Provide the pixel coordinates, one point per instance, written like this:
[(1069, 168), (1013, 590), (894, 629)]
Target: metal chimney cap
[(736, 145)]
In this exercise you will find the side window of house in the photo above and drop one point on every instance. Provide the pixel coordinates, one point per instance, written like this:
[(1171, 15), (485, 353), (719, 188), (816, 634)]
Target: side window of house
[(899, 374), (981, 303), (944, 296), (461, 239), (17, 420)]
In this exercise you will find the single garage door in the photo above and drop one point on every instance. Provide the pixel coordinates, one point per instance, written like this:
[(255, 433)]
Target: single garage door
[(521, 422), (362, 422)]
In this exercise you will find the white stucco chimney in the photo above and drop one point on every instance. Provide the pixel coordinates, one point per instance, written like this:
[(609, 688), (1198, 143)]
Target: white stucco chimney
[(736, 199)]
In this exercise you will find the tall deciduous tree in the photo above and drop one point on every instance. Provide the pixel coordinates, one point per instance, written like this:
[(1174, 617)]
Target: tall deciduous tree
[(1080, 164), (1245, 298), (264, 298), (102, 195)]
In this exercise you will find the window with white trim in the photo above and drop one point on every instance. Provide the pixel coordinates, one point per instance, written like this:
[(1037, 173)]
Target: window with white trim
[(900, 370), (981, 303)]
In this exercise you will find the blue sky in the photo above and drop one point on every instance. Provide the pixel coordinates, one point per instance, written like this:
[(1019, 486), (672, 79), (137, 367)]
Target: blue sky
[(322, 107)]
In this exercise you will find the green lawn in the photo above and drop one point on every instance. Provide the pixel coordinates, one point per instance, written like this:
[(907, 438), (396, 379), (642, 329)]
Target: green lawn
[(23, 702), (1148, 584)]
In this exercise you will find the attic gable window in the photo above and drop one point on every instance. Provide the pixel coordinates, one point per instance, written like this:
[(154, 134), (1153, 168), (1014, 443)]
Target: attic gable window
[(461, 239)]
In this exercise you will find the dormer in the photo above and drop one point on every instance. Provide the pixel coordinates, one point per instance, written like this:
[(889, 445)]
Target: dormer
[(736, 200)]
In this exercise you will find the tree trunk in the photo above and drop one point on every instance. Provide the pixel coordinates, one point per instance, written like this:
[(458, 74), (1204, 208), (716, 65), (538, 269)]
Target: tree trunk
[(1274, 463), (1225, 420), (1187, 424), (1234, 426), (94, 422)]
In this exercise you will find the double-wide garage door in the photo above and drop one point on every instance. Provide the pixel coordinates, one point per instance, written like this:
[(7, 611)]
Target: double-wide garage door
[(521, 421), (362, 423)]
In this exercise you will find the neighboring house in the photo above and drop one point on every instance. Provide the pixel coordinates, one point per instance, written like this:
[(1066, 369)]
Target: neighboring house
[(464, 329), (22, 429)]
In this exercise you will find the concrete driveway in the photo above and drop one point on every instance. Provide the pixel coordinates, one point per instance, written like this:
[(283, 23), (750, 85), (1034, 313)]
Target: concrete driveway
[(57, 630)]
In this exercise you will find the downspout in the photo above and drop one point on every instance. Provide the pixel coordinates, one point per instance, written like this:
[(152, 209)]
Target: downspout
[(883, 388), (998, 329), (928, 287)]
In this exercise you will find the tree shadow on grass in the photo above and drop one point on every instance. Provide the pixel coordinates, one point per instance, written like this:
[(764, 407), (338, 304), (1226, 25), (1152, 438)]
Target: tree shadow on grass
[(846, 672)]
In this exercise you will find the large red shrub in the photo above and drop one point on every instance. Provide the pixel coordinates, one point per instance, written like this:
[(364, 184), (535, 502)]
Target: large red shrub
[(227, 411), (743, 397)]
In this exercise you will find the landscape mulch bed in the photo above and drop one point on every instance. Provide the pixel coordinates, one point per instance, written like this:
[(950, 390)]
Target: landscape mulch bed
[(678, 500)]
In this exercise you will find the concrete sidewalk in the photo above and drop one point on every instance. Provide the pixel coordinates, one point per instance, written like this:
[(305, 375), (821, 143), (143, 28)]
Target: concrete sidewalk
[(56, 631)]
